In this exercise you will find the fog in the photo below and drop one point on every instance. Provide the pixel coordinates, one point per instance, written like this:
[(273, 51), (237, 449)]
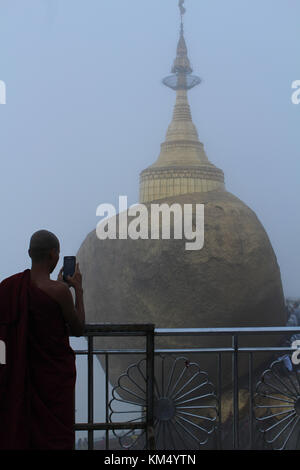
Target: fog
[(86, 111)]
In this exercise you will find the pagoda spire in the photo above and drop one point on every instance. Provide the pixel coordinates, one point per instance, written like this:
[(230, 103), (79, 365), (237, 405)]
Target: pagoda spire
[(182, 166), (181, 78)]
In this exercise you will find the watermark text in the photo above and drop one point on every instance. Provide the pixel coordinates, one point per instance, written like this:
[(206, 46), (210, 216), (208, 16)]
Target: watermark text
[(2, 92), (2, 352), (152, 221), (296, 354), (296, 95)]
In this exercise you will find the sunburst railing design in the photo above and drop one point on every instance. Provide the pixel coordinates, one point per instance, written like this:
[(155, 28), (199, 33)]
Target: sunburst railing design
[(185, 404), (277, 406)]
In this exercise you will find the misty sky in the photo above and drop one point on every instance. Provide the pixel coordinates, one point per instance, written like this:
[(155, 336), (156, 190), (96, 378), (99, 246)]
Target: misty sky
[(86, 111)]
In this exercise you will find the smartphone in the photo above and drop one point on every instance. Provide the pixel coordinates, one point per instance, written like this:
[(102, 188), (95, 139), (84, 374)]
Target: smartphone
[(69, 266)]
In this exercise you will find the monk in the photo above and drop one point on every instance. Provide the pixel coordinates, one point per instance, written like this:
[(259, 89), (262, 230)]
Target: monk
[(37, 381)]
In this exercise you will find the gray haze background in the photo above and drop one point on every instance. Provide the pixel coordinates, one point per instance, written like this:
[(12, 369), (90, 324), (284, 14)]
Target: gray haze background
[(86, 111)]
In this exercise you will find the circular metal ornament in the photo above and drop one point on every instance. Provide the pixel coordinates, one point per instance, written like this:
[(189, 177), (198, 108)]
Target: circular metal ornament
[(185, 404), (277, 405)]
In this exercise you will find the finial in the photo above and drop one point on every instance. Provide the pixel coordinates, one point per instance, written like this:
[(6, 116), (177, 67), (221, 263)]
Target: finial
[(182, 9), (182, 12), (181, 70)]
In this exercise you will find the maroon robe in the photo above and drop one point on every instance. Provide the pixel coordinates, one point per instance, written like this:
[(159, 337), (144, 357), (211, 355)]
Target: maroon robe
[(37, 382)]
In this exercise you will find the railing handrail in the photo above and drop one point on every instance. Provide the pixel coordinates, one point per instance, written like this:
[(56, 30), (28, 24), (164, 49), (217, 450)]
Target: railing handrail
[(116, 329), (143, 328), (226, 331)]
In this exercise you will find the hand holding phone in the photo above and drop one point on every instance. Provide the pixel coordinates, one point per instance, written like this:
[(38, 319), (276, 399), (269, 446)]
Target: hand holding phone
[(76, 280), (69, 267)]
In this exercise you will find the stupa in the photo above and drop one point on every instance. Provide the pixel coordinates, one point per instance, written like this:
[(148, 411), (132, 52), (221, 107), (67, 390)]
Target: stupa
[(234, 280)]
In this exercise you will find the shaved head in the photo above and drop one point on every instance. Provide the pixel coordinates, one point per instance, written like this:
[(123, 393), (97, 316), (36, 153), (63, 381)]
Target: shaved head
[(41, 243)]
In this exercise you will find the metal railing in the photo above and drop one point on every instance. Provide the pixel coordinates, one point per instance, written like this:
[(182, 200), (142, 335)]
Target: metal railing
[(171, 411), (96, 330)]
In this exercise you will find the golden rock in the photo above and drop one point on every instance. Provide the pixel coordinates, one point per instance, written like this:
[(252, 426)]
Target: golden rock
[(233, 281)]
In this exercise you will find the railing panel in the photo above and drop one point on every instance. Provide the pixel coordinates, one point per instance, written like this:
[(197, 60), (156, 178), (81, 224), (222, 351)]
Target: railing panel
[(260, 408), (92, 331)]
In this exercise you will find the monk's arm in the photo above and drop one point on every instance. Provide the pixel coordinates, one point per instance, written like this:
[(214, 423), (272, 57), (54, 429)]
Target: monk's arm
[(73, 315)]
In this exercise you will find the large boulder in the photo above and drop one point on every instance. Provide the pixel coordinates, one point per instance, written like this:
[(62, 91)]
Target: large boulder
[(233, 281)]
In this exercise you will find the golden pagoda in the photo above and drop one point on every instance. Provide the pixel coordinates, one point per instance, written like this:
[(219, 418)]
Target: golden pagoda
[(233, 281), (182, 166)]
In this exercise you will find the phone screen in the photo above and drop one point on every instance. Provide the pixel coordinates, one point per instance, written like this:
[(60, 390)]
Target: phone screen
[(69, 266)]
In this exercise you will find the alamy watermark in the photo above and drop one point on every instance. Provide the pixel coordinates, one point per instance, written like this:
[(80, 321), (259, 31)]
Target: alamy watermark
[(296, 95), (2, 92), (186, 224), (296, 354), (2, 352)]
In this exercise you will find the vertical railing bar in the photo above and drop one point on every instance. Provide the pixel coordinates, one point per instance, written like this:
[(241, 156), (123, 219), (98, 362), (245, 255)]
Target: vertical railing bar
[(150, 389), (90, 391), (235, 393), (251, 398), (74, 419), (220, 400), (106, 402)]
